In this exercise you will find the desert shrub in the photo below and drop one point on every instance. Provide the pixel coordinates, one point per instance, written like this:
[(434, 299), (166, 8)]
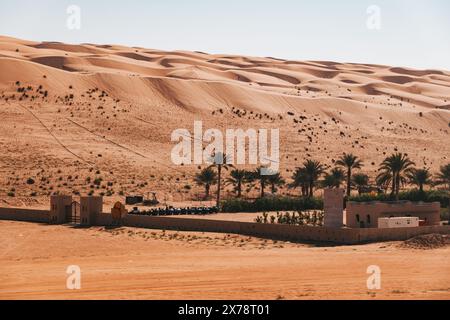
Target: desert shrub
[(299, 218), (11, 194), (271, 204), (30, 181)]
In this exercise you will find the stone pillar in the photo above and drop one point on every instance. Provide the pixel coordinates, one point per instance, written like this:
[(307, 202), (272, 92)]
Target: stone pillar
[(60, 207), (90, 209), (334, 208)]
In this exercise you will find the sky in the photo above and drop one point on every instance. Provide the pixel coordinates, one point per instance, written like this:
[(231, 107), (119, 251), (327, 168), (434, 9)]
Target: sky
[(407, 33)]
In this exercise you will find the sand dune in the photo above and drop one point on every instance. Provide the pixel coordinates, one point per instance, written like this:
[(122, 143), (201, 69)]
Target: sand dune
[(109, 104)]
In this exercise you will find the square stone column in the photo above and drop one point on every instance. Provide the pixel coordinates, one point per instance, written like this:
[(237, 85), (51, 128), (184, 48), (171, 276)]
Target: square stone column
[(60, 208), (91, 208), (333, 203)]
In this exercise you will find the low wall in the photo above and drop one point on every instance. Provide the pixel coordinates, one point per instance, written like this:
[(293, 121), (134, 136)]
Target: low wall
[(398, 234), (283, 232), (26, 215), (269, 231), (265, 231)]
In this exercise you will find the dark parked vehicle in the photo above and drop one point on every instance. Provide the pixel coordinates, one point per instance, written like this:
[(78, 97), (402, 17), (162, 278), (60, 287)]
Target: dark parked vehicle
[(132, 200), (170, 211)]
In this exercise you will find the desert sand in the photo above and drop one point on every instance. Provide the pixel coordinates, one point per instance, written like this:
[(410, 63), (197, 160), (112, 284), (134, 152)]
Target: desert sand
[(97, 119), (151, 264), (72, 114)]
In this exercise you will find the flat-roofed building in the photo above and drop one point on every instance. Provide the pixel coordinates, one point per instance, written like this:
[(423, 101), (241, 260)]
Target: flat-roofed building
[(367, 214)]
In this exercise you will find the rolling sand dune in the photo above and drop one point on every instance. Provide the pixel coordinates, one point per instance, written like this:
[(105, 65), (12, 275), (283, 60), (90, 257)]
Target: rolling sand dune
[(88, 118), (74, 113)]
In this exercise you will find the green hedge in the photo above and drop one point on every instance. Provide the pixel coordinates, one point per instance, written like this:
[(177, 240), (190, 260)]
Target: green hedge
[(414, 195), (273, 204), (445, 214)]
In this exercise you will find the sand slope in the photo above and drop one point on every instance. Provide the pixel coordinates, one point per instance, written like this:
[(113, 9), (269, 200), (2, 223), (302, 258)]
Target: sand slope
[(112, 109)]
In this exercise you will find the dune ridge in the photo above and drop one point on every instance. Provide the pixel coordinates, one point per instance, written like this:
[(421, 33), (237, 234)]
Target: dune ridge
[(109, 104)]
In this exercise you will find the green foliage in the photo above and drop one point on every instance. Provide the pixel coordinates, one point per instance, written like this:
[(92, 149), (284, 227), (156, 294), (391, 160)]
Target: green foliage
[(413, 195), (271, 204), (445, 214), (298, 218)]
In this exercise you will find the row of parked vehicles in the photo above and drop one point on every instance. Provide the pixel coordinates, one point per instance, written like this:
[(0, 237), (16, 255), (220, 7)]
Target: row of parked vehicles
[(171, 211)]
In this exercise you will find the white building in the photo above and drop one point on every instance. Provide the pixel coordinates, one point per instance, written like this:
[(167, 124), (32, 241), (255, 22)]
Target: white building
[(398, 222)]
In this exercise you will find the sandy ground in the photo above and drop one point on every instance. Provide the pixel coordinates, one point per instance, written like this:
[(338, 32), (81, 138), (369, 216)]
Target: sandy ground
[(80, 119), (149, 264)]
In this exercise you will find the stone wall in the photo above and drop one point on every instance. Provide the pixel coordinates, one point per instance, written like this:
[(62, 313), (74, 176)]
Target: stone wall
[(26, 215), (398, 234), (269, 231), (265, 231)]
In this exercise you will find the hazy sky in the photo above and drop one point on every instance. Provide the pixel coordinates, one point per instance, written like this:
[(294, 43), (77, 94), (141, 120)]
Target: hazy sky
[(414, 33)]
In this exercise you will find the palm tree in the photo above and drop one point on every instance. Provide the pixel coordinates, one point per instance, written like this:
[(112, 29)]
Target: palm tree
[(383, 180), (275, 181), (420, 177), (350, 162), (237, 179), (334, 179), (263, 179), (207, 177), (219, 161), (300, 180), (395, 167), (443, 177), (313, 169), (360, 181)]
